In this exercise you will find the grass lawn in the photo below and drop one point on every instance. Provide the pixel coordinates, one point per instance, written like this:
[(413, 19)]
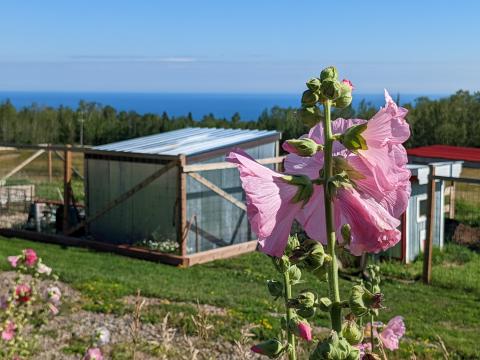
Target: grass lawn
[(448, 310)]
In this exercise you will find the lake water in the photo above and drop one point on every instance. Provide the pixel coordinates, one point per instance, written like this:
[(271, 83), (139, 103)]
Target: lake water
[(250, 106)]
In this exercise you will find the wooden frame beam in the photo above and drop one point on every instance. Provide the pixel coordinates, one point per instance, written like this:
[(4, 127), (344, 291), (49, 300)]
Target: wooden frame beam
[(227, 165), (22, 165), (428, 248), (218, 190)]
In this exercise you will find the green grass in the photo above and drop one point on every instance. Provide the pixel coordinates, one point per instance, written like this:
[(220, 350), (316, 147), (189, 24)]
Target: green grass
[(449, 308)]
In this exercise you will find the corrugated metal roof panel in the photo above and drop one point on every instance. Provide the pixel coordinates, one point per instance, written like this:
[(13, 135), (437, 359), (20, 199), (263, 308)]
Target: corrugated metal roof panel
[(188, 141), (447, 152)]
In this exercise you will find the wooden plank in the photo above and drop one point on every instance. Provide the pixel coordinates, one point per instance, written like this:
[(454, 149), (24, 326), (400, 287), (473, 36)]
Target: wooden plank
[(227, 165), (22, 165), (427, 255), (451, 207), (126, 195), (221, 253), (75, 171), (218, 190), (459, 179), (67, 189), (124, 250), (50, 170), (182, 207), (46, 147)]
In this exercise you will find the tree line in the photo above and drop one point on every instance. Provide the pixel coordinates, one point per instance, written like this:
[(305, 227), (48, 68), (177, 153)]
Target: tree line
[(453, 120)]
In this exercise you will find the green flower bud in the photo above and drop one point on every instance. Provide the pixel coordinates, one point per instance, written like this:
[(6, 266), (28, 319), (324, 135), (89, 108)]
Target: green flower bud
[(305, 187), (330, 89), (310, 116), (309, 98), (292, 244), (352, 332), (346, 231), (325, 304), (342, 166), (307, 312), (275, 288), (363, 302), (313, 84), (329, 73), (271, 348), (303, 300), (281, 264), (303, 147), (343, 101), (315, 255), (294, 274), (335, 348), (353, 140)]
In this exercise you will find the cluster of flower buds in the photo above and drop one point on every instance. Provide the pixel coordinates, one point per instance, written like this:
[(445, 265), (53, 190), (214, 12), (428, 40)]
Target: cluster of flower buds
[(304, 186), (311, 256), (327, 87), (351, 331), (335, 347), (304, 304)]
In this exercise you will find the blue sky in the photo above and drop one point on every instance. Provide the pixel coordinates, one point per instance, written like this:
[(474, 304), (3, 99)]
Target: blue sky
[(238, 46)]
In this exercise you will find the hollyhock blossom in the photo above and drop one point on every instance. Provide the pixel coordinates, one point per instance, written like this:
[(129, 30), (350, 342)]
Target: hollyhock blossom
[(9, 332), (30, 257), (93, 354), (23, 293), (392, 333), (305, 331), (44, 269), (13, 260), (102, 336), (381, 177), (271, 206), (54, 295)]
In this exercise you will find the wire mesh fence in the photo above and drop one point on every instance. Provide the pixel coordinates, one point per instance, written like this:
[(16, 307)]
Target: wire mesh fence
[(462, 208), (32, 188)]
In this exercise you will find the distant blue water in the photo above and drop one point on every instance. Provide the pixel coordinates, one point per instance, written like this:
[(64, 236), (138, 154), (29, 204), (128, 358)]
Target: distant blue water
[(250, 106)]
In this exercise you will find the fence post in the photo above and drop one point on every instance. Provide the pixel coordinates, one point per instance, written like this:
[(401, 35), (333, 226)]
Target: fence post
[(182, 205), (49, 166), (67, 180), (427, 255)]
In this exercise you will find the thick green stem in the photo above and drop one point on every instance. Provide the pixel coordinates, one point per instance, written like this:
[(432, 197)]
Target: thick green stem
[(336, 311), (292, 354), (372, 336)]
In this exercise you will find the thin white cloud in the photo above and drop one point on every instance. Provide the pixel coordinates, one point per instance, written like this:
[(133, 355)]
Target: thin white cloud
[(134, 58)]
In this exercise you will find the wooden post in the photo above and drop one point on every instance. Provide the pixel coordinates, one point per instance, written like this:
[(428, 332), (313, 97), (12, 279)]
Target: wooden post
[(50, 172), (67, 180), (427, 255), (451, 207), (182, 205)]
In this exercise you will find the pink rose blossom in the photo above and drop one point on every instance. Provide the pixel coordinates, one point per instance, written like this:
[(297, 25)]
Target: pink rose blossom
[(13, 260), (392, 333), (9, 332), (93, 354), (305, 331), (270, 209), (54, 295), (30, 257), (23, 293)]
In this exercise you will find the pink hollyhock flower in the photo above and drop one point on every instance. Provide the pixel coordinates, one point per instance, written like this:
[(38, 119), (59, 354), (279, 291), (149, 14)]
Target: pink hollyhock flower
[(9, 332), (384, 179), (270, 208), (392, 333), (305, 331), (54, 295), (30, 257), (44, 269), (13, 260), (23, 293), (349, 83), (363, 347), (93, 354)]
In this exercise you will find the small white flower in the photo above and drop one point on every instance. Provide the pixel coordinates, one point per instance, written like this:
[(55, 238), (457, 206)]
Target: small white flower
[(102, 336), (44, 269)]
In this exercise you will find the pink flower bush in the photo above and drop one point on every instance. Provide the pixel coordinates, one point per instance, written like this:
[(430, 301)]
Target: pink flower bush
[(392, 333), (43, 269), (93, 354), (270, 208), (9, 332)]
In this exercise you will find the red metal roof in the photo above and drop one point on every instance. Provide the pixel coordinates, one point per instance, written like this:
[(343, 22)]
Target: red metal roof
[(447, 152)]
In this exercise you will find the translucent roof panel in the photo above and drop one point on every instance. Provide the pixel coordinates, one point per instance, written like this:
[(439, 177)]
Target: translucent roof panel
[(188, 141)]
